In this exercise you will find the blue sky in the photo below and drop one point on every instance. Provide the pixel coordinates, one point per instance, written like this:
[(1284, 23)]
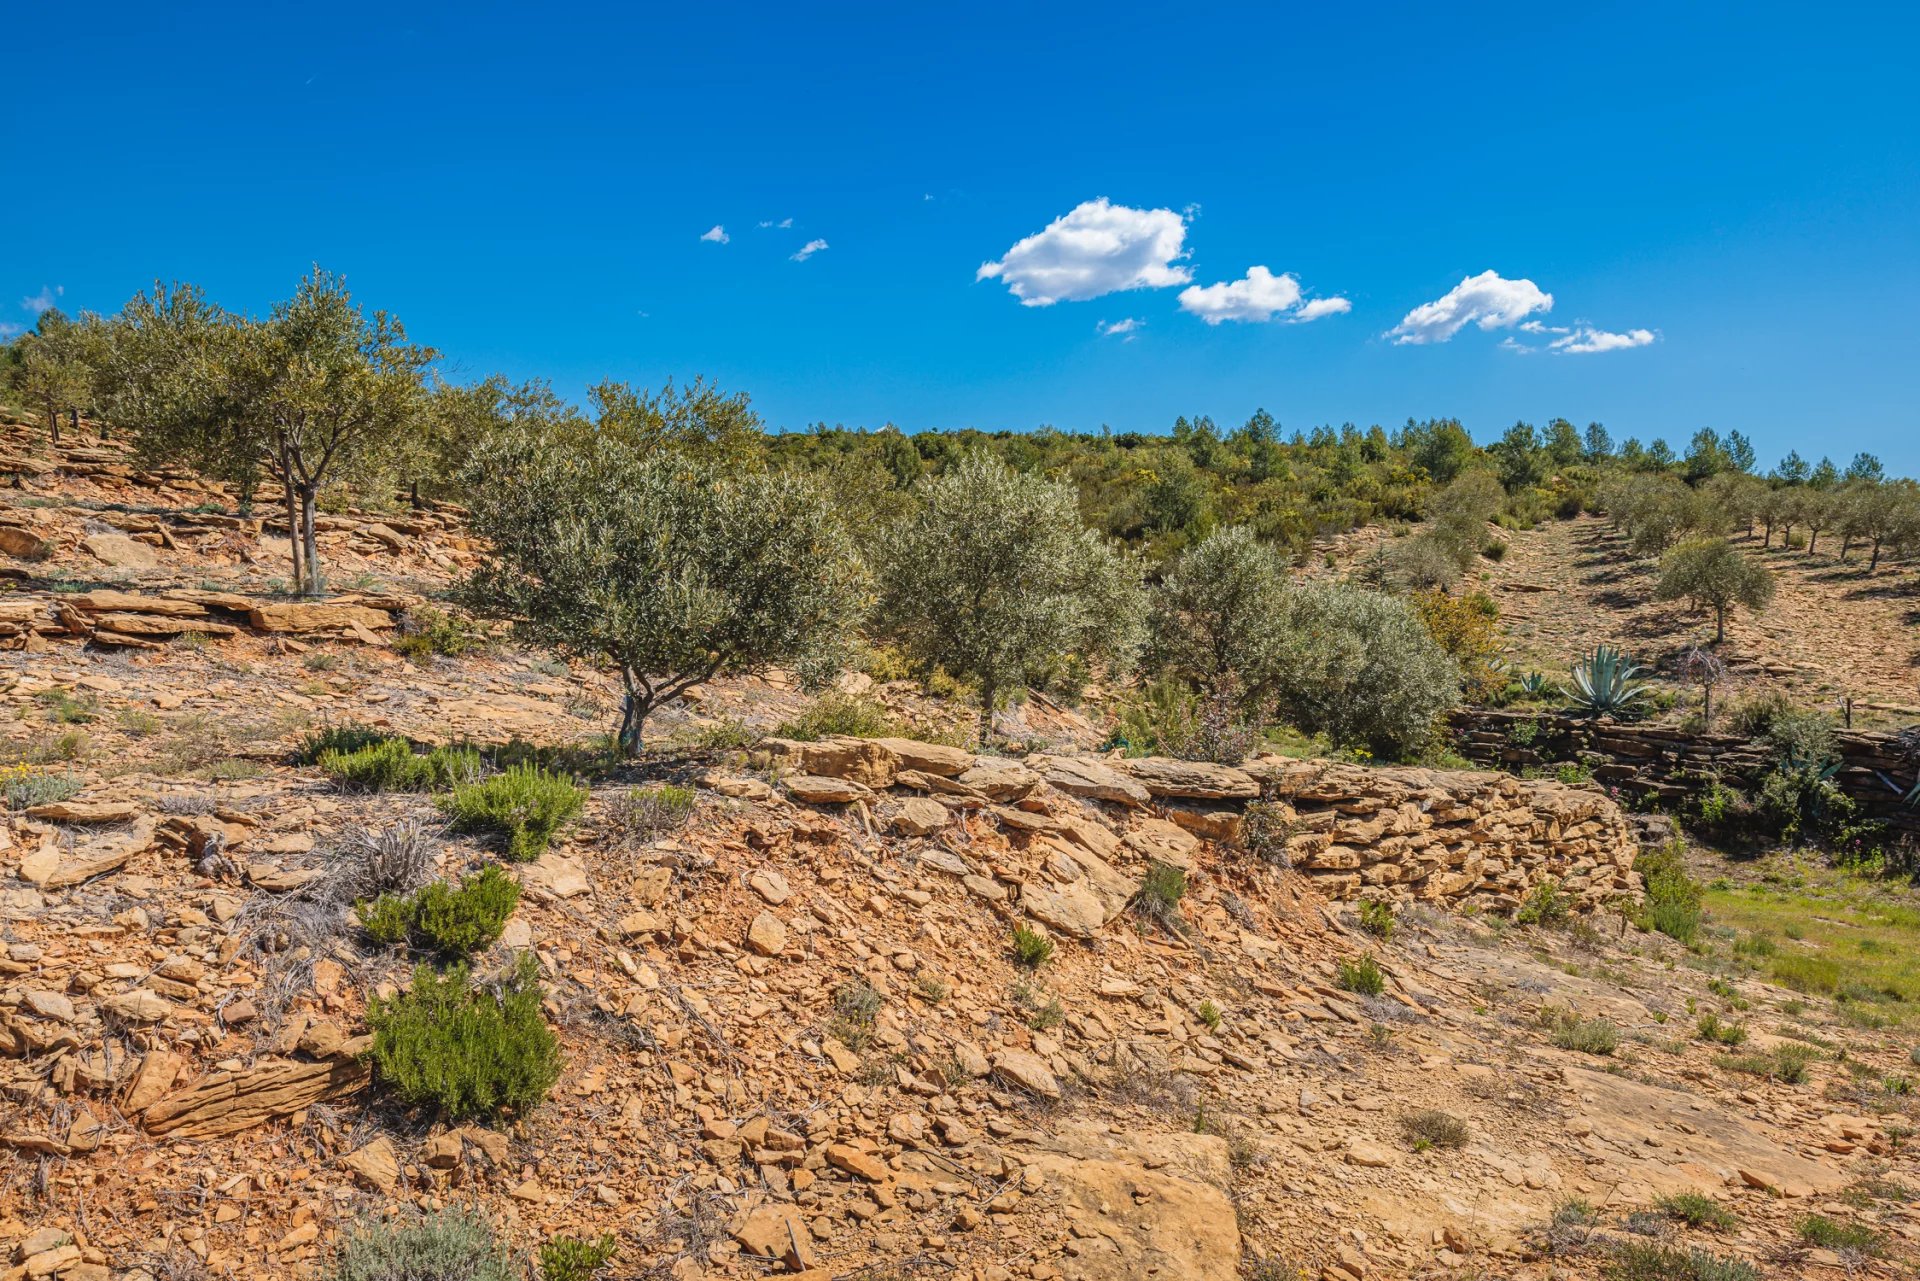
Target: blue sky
[(1735, 189)]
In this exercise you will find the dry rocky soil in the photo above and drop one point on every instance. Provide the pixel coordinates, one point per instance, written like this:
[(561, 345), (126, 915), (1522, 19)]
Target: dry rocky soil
[(797, 1039)]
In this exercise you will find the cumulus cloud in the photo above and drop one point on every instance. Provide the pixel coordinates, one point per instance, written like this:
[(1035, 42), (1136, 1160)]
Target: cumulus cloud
[(1095, 249), (782, 224), (1258, 296), (1488, 300), (1584, 339), (44, 300), (716, 234), (809, 249), (1127, 330)]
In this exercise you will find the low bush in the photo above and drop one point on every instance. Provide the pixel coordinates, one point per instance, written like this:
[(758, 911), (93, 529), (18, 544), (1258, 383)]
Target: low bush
[(838, 714), (1651, 1261), (454, 920), (65, 708), (571, 1259), (1545, 905), (1697, 1211), (1158, 898), (1713, 1028), (467, 1052), (1788, 1063), (1672, 905), (426, 632), (391, 765), (25, 786), (451, 1245), (1362, 975), (1376, 918), (646, 814), (395, 859), (856, 1009), (1587, 1036), (1265, 828), (1361, 668), (1432, 1128), (346, 738), (1831, 1234), (523, 806), (1209, 1015), (1031, 948)]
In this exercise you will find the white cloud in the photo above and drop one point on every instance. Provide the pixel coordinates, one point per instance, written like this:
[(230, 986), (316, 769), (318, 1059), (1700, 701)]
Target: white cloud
[(1586, 339), (1098, 248), (809, 249), (783, 223), (1127, 330), (9, 330), (717, 234), (1488, 300), (44, 300), (1258, 296), (1315, 308)]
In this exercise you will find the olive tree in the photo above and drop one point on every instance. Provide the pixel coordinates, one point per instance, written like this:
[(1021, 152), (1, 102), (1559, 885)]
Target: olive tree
[(1715, 574), (52, 370), (317, 393), (994, 576), (1361, 668), (669, 569), (1215, 620)]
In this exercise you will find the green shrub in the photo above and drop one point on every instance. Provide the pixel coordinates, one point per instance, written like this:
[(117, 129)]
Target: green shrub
[(388, 919), (571, 1259), (1158, 898), (346, 738), (1545, 905), (462, 1050), (838, 714), (1697, 1211), (468, 918), (1362, 976), (1361, 668), (1376, 918), (64, 708), (1831, 1234), (1432, 1128), (451, 1245), (1031, 948), (856, 1009), (1651, 1261), (1588, 1036), (1209, 1014), (391, 765), (1786, 1063), (425, 632), (524, 805), (1712, 1028), (1672, 905)]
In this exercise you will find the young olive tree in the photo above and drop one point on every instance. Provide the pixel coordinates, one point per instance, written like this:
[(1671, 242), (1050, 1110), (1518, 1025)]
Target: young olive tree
[(1361, 668), (672, 570), (318, 393), (1215, 621), (995, 576), (53, 370), (1715, 574)]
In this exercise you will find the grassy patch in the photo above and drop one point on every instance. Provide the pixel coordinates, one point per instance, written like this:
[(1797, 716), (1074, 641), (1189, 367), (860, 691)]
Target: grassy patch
[(1362, 975), (1845, 936), (1831, 1234), (1587, 1036), (1031, 948), (1649, 1261), (1786, 1063), (1432, 1128), (391, 765)]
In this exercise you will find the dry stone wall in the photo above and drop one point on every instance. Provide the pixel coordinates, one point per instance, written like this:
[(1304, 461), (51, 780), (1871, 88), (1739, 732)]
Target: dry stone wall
[(1356, 831), (1672, 764)]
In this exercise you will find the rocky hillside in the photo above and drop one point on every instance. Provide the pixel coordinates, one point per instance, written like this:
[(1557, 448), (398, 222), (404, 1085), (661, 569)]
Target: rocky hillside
[(800, 1033)]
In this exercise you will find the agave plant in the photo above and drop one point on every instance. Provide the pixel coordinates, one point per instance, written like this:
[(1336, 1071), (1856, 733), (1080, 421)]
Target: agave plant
[(1606, 683), (1534, 685)]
